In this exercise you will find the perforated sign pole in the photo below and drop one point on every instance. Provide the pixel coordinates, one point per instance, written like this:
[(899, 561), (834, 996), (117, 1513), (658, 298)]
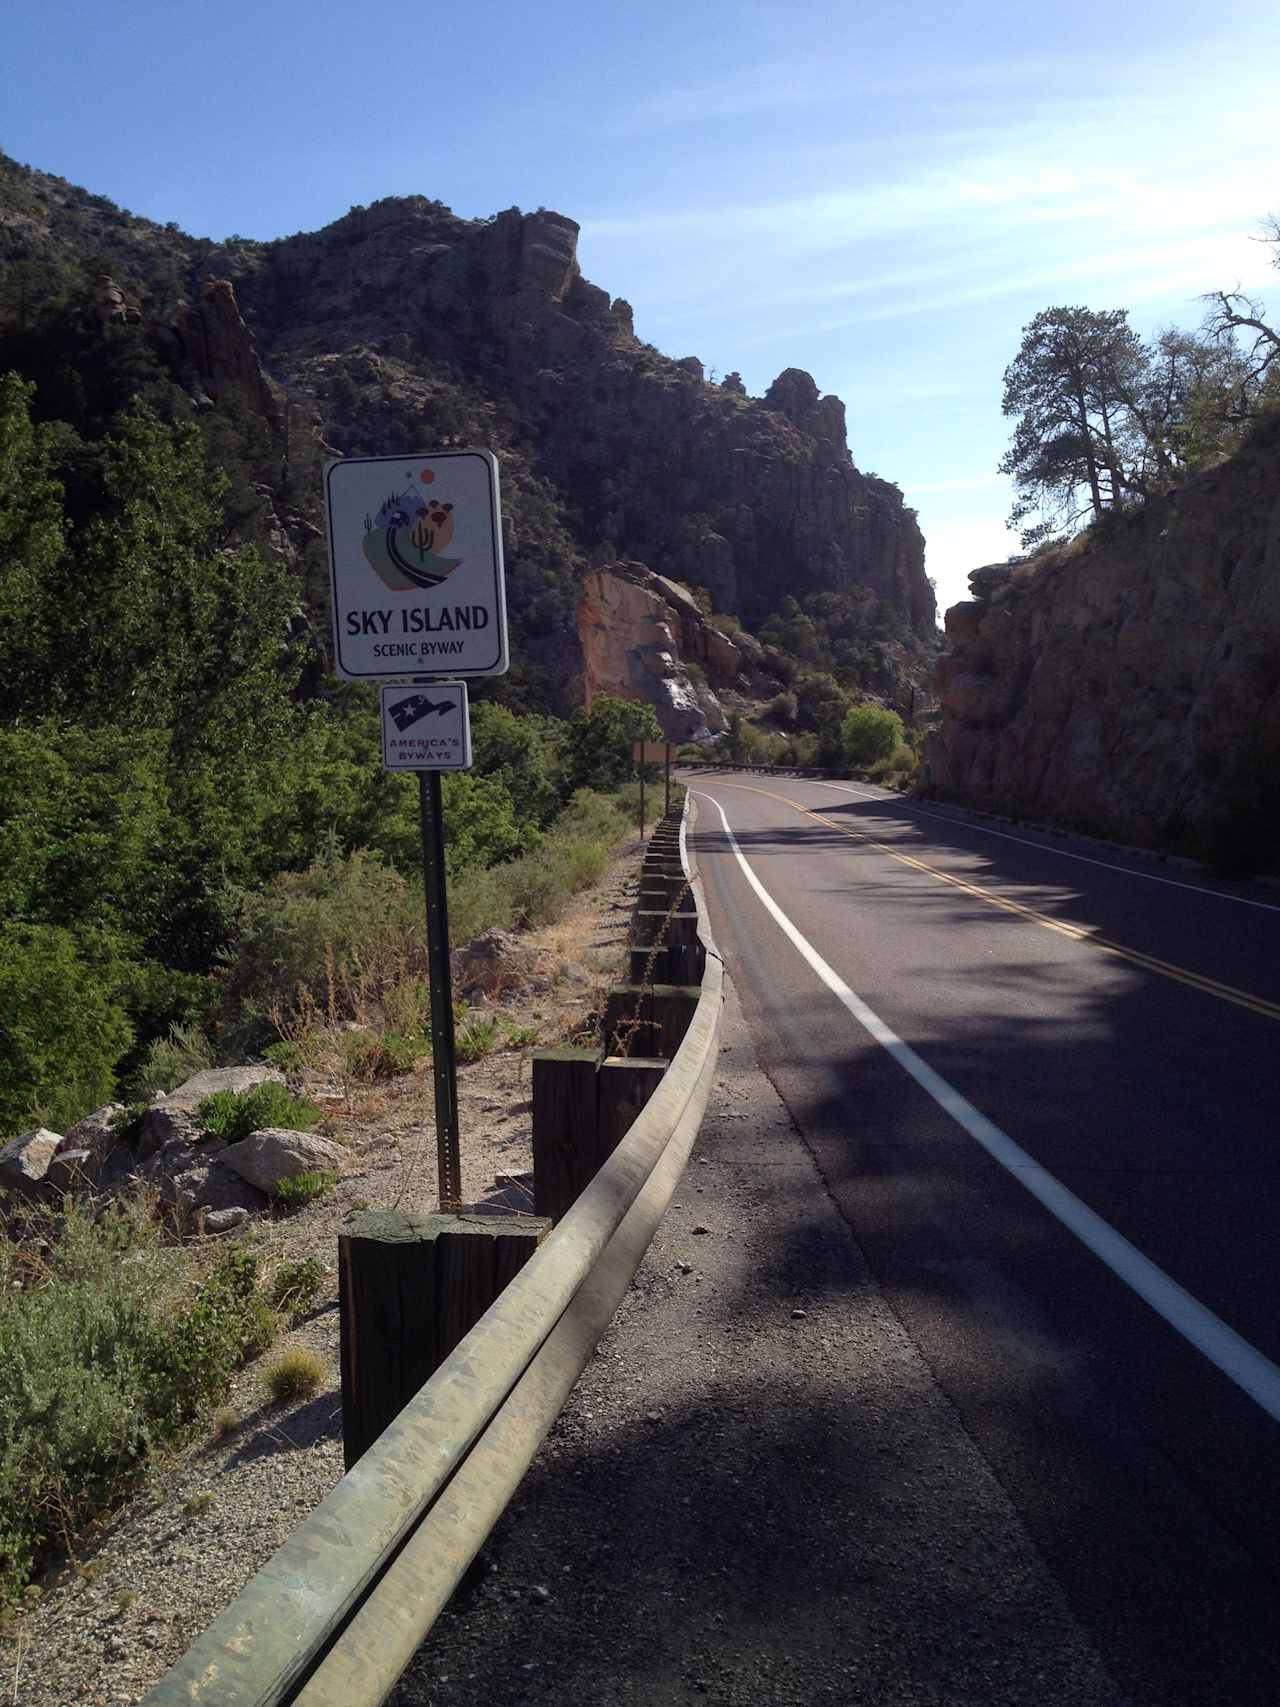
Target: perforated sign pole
[(444, 1061)]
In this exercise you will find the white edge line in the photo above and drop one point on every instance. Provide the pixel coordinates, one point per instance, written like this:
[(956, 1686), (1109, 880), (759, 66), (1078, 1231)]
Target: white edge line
[(1251, 1371), (1042, 847)]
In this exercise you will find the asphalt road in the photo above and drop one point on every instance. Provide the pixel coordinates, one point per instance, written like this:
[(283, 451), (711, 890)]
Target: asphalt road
[(1044, 1030)]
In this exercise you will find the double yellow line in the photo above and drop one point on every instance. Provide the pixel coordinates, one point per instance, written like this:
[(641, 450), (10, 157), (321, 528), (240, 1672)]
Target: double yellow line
[(1077, 933)]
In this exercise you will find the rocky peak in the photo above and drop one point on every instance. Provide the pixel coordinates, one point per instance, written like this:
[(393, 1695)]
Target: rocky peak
[(222, 350)]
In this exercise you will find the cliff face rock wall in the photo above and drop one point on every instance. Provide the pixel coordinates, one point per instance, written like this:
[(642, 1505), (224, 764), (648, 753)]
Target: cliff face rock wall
[(751, 498), (402, 324), (1130, 685), (637, 630)]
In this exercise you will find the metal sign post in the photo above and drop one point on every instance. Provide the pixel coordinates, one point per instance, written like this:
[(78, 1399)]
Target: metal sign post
[(415, 560), (650, 753), (426, 728), (444, 1059), (666, 805)]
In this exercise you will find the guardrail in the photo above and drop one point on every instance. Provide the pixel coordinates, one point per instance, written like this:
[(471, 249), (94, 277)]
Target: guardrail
[(702, 766), (337, 1613)]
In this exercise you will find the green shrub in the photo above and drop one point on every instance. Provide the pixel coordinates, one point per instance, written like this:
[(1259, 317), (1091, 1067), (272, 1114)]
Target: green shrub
[(62, 1027), (110, 1345), (476, 1037), (233, 1115), (296, 1285), (295, 1191), (343, 929), (170, 1060), (869, 733)]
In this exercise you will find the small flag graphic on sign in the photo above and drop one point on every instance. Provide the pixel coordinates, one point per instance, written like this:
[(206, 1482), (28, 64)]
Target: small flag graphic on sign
[(406, 712)]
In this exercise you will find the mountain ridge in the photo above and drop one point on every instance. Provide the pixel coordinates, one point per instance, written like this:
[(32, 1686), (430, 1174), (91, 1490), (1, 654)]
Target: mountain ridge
[(402, 323)]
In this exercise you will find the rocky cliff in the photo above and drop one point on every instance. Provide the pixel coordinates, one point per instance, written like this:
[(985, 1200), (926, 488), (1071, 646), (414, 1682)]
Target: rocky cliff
[(1129, 683), (402, 324), (639, 632)]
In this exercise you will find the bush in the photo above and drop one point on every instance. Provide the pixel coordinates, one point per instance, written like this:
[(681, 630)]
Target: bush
[(110, 1345), (295, 1191), (869, 733), (343, 929), (297, 1374), (233, 1115), (62, 1028), (170, 1060), (475, 1038), (296, 1285)]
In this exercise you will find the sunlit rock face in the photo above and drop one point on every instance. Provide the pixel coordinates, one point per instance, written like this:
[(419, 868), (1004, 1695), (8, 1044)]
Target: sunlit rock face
[(638, 630), (1130, 686)]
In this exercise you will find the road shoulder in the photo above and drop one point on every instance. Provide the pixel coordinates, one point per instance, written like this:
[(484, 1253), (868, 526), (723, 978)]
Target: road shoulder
[(757, 1492)]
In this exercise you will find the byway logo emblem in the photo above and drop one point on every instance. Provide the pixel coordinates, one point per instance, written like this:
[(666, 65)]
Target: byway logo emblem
[(406, 541)]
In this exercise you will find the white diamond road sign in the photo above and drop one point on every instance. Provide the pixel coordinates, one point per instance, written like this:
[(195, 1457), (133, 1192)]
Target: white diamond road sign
[(415, 556), (426, 728)]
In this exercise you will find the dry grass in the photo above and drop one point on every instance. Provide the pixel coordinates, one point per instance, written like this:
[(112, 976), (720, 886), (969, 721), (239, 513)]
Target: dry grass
[(296, 1374)]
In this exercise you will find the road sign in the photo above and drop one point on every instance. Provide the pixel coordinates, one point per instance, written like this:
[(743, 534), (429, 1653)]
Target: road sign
[(415, 559), (426, 728), (650, 752)]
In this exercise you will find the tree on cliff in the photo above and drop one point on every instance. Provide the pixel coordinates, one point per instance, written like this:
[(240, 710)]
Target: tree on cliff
[(1077, 448)]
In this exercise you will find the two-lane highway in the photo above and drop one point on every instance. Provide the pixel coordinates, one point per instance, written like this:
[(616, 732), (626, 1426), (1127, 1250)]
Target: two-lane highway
[(1042, 1084)]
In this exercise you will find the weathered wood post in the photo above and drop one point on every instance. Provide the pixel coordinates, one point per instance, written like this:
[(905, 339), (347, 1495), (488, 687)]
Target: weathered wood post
[(409, 1288), (564, 1125)]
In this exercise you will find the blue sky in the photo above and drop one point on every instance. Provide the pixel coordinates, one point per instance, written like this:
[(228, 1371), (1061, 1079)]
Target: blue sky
[(882, 194)]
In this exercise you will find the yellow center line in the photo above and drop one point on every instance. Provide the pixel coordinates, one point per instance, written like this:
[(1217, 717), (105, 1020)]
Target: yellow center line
[(1077, 933)]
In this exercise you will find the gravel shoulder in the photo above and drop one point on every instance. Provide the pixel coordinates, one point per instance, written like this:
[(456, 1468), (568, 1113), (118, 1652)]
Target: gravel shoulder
[(206, 1519), (757, 1492)]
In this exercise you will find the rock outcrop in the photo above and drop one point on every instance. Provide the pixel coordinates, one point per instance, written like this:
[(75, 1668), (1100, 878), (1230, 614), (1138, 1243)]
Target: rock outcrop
[(221, 348), (638, 632), (1128, 684), (402, 325), (750, 498)]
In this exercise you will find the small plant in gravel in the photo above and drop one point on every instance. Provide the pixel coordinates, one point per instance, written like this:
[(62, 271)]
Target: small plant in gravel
[(521, 1036), (199, 1505), (233, 1115), (127, 1598), (295, 1191), (296, 1285), (296, 1374), (224, 1421)]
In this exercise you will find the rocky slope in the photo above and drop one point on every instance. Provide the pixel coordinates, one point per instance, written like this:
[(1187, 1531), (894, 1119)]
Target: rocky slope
[(402, 324), (1130, 683)]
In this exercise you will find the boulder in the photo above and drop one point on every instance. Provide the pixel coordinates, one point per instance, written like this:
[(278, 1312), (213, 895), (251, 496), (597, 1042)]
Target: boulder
[(267, 1157), (24, 1161), (173, 1117), (222, 1220), (71, 1168), (488, 963), (96, 1132)]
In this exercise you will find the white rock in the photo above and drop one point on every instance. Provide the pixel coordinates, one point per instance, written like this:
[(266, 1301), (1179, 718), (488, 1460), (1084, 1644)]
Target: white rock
[(223, 1220), (24, 1161), (265, 1158)]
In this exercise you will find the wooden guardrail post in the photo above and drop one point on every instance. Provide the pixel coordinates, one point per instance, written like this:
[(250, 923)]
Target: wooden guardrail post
[(564, 1125), (583, 1104), (624, 1086), (656, 965), (409, 1288)]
